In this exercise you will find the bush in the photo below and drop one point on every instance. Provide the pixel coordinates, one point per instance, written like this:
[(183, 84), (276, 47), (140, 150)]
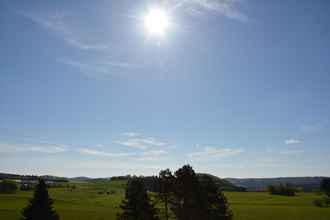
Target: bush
[(324, 202), (318, 203), (27, 187), (8, 186), (282, 189), (325, 186)]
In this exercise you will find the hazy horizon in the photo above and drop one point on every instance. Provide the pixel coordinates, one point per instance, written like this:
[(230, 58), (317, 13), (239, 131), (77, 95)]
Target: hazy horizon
[(233, 88)]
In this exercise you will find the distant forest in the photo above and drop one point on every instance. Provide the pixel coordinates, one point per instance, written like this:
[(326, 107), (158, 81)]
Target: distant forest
[(306, 184)]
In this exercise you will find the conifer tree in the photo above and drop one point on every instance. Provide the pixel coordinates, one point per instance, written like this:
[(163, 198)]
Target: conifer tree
[(166, 180), (197, 199), (187, 202), (217, 207), (137, 205), (40, 207)]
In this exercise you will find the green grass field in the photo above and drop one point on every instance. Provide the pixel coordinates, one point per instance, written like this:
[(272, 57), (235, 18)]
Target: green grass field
[(91, 202)]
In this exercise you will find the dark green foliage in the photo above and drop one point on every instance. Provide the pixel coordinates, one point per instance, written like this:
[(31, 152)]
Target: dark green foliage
[(307, 184), (27, 187), (195, 200), (282, 189), (137, 205), (8, 186), (187, 204), (151, 183), (323, 202), (223, 184), (40, 207), (217, 207), (325, 186), (166, 180)]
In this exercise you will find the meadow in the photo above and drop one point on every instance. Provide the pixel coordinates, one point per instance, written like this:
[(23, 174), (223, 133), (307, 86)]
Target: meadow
[(100, 201)]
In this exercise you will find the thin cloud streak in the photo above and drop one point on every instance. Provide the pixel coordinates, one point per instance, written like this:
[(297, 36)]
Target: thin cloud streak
[(95, 71), (292, 141), (227, 8), (56, 23), (146, 155), (103, 153), (211, 153), (33, 148), (138, 141)]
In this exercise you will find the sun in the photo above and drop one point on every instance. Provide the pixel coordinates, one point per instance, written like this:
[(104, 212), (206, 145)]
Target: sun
[(157, 21)]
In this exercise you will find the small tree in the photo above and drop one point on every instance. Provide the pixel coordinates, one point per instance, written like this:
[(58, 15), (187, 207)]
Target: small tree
[(40, 207), (8, 186), (325, 186), (137, 205)]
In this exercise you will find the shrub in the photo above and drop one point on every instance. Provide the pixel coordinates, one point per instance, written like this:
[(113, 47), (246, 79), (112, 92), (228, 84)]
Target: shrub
[(324, 202), (27, 187), (325, 186), (282, 189), (8, 186)]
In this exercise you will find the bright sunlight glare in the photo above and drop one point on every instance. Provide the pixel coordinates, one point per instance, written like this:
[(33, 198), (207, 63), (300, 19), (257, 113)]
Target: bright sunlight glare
[(157, 21)]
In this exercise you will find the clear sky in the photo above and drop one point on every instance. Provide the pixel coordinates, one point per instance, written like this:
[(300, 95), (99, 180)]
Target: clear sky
[(236, 88)]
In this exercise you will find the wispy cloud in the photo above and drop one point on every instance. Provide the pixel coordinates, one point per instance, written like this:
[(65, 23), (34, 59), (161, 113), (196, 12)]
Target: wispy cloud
[(227, 8), (145, 155), (214, 153), (291, 152), (90, 70), (93, 152), (101, 69), (36, 148), (131, 134), (141, 142), (124, 64), (57, 24), (153, 155), (292, 141), (49, 149)]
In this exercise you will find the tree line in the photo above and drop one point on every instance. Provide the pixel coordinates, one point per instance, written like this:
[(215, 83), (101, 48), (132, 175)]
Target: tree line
[(182, 195)]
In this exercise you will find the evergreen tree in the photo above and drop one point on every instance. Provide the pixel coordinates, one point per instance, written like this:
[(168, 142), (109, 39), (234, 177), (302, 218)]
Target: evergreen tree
[(187, 202), (166, 180), (325, 186), (197, 199), (217, 207), (137, 205), (40, 207)]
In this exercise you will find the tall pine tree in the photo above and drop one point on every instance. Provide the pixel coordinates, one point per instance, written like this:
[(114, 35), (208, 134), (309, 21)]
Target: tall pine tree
[(166, 180), (187, 202), (40, 207), (196, 199), (217, 207), (137, 205)]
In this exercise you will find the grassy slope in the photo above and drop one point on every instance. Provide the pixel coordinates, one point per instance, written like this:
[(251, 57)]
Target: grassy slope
[(86, 203)]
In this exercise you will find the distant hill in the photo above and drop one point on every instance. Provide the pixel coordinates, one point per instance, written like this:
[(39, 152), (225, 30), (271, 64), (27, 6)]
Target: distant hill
[(80, 179), (223, 184), (308, 184), (32, 177), (152, 184)]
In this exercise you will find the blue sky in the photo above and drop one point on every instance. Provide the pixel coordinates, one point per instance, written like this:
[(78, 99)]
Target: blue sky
[(236, 88)]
